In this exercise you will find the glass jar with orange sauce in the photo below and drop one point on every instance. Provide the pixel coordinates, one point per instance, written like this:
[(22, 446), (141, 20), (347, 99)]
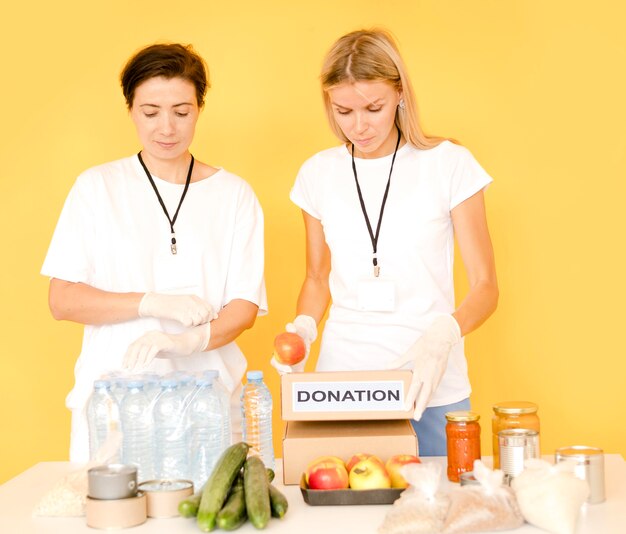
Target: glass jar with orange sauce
[(512, 414), (463, 442)]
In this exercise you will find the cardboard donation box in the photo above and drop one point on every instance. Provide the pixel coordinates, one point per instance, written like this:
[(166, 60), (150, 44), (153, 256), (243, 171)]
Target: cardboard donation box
[(342, 413)]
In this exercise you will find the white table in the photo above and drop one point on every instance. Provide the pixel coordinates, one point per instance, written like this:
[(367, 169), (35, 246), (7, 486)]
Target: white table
[(19, 495)]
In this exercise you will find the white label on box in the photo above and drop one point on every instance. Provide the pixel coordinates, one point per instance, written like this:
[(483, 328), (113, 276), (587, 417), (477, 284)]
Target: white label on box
[(370, 396)]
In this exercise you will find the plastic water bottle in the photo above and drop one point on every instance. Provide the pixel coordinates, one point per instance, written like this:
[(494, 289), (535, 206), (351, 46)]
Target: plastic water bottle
[(206, 443), (256, 411), (102, 415), (136, 425), (170, 433), (224, 395)]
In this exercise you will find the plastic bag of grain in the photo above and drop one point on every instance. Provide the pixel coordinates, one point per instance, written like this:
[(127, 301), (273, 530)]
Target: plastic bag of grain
[(67, 498), (550, 496), (488, 505), (421, 508)]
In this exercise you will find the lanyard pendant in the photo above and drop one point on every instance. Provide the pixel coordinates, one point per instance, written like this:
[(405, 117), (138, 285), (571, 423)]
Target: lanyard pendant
[(173, 245)]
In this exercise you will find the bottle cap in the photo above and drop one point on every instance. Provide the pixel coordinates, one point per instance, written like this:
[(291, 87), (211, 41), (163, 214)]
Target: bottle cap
[(254, 375), (169, 382)]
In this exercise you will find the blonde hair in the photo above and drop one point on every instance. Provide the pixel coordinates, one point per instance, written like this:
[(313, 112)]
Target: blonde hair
[(372, 55)]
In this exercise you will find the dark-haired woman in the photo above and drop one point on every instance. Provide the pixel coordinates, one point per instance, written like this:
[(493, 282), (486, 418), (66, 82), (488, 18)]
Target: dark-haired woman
[(159, 255)]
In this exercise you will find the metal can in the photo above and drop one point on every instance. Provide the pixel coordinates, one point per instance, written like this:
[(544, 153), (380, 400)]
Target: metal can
[(164, 495), (516, 445), (468, 479), (511, 414), (589, 467), (114, 481)]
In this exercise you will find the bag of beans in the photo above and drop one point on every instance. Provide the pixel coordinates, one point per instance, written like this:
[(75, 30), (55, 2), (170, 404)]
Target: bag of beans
[(550, 496), (421, 508), (488, 505)]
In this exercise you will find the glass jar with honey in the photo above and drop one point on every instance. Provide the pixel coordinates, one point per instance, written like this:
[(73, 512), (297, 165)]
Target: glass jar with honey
[(463, 442), (512, 414)]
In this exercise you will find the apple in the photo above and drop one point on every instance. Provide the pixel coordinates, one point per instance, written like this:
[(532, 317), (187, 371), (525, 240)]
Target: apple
[(393, 466), (289, 348), (327, 475), (320, 460), (358, 457), (369, 474)]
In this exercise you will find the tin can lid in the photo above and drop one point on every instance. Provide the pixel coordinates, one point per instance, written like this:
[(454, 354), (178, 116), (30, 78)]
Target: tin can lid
[(515, 407), (113, 470), (579, 450), (468, 479), (462, 416), (165, 485)]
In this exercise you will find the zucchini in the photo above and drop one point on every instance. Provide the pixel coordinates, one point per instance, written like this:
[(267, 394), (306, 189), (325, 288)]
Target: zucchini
[(256, 492), (233, 513), (189, 507), (278, 502), (217, 487)]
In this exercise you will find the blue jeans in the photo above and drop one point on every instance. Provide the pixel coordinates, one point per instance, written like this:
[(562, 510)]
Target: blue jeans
[(431, 428)]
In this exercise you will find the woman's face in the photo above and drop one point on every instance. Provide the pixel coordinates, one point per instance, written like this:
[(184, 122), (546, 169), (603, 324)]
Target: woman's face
[(165, 112), (365, 112)]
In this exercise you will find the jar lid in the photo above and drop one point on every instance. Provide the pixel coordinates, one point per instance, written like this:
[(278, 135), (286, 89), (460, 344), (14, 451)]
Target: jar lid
[(515, 407), (579, 450), (462, 416)]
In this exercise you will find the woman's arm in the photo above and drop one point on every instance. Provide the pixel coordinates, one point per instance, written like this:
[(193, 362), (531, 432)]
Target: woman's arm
[(85, 304), (470, 227), (315, 292), (238, 315)]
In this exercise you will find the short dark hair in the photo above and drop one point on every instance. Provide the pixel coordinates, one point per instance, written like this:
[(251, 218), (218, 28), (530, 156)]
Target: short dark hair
[(170, 60)]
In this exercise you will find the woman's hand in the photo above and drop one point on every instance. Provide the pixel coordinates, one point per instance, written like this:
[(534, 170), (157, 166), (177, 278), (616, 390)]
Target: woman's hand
[(189, 310), (306, 328), (429, 355), (142, 351)]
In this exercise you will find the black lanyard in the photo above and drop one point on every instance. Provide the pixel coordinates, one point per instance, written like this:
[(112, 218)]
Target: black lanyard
[(180, 203), (373, 237)]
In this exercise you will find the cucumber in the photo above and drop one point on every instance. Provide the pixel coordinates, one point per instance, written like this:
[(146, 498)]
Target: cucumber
[(256, 492), (270, 474), (278, 502), (233, 513), (189, 507), (217, 487)]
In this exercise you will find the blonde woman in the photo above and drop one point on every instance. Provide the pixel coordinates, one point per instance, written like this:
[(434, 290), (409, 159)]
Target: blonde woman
[(381, 212)]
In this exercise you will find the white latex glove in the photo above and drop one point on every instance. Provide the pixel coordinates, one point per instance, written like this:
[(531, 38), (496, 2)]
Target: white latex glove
[(142, 351), (306, 327), (429, 355), (189, 310)]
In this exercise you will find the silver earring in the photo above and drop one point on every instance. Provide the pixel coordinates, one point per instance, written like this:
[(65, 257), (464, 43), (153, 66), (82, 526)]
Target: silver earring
[(401, 104)]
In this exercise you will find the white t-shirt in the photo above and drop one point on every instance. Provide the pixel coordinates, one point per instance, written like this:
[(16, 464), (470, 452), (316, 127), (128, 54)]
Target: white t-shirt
[(113, 235), (415, 251)]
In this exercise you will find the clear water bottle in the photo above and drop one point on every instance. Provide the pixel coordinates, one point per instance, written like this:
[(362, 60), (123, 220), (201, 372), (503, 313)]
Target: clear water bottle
[(170, 433), (102, 415), (206, 443), (256, 411), (224, 396), (136, 425)]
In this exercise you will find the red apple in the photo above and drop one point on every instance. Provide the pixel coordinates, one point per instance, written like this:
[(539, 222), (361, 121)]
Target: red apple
[(369, 474), (393, 466), (359, 457), (327, 475), (289, 348), (322, 459)]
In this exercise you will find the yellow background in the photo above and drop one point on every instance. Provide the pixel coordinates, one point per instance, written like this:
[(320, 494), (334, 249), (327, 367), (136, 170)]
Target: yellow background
[(535, 89)]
